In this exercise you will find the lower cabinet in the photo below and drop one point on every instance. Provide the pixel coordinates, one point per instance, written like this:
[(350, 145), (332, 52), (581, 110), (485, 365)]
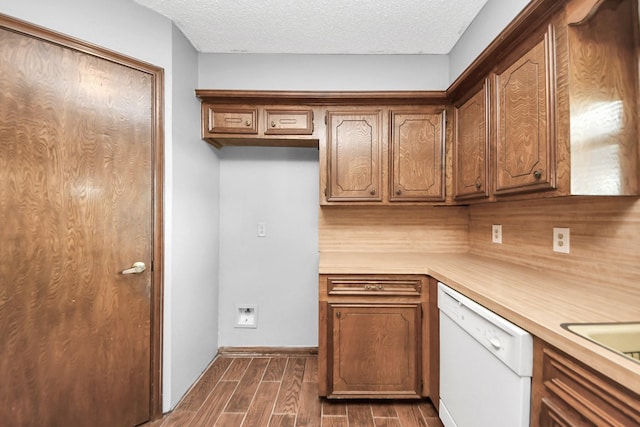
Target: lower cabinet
[(567, 393), (372, 331)]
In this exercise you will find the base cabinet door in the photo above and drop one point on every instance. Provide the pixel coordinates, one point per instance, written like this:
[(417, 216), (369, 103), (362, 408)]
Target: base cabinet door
[(566, 392), (375, 350)]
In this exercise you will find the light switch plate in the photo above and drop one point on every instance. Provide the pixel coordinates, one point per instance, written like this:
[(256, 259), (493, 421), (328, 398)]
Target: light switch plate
[(561, 239)]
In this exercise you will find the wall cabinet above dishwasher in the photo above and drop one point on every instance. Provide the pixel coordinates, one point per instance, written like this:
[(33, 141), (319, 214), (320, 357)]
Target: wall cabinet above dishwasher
[(560, 106)]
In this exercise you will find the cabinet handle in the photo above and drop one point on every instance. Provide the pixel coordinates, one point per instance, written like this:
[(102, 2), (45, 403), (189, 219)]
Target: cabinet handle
[(478, 186), (537, 174), (273, 123), (338, 314), (372, 192), (247, 123), (398, 192), (374, 287)]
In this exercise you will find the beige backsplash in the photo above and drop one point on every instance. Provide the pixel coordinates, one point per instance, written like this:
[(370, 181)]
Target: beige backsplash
[(605, 233), (393, 229)]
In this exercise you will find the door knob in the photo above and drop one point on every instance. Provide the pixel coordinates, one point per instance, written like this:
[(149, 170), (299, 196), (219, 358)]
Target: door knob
[(136, 268)]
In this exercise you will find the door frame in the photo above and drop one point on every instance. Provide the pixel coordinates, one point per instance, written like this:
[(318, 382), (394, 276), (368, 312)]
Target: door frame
[(157, 146)]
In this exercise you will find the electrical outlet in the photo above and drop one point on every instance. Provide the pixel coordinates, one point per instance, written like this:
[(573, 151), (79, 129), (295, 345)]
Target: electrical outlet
[(262, 229), (246, 316), (496, 233), (561, 240)]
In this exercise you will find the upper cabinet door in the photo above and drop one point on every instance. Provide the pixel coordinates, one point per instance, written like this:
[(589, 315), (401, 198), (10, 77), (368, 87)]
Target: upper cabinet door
[(525, 120), (471, 145), (231, 119), (354, 155), (417, 162)]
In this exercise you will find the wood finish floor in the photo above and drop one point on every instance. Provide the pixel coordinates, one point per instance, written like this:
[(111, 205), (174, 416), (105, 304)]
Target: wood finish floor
[(282, 391)]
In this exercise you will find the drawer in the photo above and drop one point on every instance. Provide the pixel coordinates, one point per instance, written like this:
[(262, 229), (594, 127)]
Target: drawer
[(289, 122), (222, 119), (374, 286)]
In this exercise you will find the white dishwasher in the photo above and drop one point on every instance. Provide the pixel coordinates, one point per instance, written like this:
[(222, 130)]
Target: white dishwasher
[(485, 365)]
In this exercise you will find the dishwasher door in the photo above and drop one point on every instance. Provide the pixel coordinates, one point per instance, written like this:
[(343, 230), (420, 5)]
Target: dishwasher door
[(485, 366)]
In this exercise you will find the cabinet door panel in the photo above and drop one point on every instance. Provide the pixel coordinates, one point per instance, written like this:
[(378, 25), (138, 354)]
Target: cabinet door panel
[(417, 172), (375, 350), (471, 146), (354, 152), (230, 119), (289, 122), (525, 121)]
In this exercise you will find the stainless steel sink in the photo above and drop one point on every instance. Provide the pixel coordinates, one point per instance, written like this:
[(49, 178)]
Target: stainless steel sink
[(623, 338)]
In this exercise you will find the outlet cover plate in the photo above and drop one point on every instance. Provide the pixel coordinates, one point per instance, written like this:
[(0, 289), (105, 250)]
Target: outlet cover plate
[(561, 240), (496, 233), (246, 316)]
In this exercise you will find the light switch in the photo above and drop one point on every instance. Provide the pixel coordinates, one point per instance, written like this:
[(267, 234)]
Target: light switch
[(262, 229)]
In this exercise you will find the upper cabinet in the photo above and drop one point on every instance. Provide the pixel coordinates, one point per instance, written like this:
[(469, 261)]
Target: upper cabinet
[(471, 145), (416, 167), (257, 124), (386, 155), (559, 110), (354, 153), (525, 119), (550, 108)]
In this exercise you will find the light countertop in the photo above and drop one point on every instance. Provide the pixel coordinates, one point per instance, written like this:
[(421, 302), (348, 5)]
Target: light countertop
[(536, 300)]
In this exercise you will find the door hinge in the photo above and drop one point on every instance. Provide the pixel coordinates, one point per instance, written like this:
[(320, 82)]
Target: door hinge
[(422, 312), (151, 265), (325, 118)]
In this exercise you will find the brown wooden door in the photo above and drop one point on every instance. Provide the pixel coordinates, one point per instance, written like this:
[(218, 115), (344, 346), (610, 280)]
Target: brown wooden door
[(417, 162), (376, 350), (471, 145), (76, 202), (354, 156), (525, 121)]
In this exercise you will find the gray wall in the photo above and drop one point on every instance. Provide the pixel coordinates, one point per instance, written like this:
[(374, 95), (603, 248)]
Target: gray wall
[(278, 272), (126, 27), (492, 19), (324, 72), (192, 329)]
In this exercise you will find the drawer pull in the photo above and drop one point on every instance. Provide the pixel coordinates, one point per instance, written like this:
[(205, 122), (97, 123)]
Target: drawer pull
[(374, 287)]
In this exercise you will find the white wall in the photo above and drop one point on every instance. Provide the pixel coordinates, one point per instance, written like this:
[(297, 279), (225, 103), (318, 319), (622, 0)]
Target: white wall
[(128, 28), (324, 72), (279, 272), (492, 19), (193, 327)]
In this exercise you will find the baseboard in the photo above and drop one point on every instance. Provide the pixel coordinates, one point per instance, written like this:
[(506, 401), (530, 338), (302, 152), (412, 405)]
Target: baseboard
[(267, 351)]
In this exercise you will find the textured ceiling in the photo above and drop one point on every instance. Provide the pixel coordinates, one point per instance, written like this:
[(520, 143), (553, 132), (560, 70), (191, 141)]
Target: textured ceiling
[(321, 26)]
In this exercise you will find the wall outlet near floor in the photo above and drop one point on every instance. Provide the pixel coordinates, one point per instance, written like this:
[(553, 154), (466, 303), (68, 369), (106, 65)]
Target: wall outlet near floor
[(561, 240), (246, 316), (496, 233)]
